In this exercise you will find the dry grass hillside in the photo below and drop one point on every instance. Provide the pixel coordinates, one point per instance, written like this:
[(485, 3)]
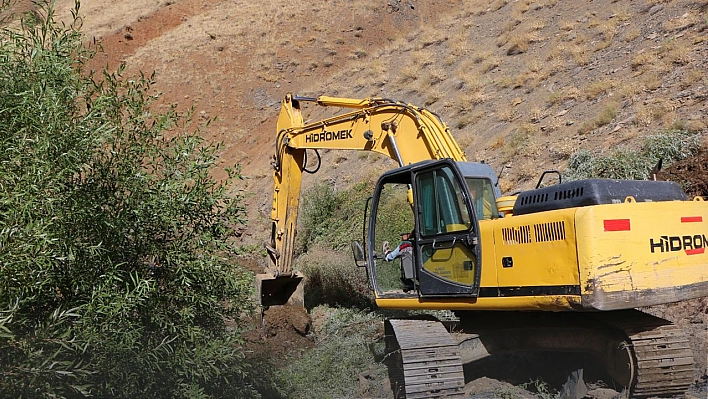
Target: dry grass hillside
[(521, 83)]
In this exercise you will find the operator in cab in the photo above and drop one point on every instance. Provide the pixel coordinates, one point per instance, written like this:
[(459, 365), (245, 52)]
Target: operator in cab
[(404, 250)]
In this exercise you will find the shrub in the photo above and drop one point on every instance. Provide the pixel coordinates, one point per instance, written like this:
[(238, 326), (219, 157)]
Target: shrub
[(347, 343), (624, 163), (333, 279), (671, 146), (606, 115), (349, 357), (114, 239), (332, 218)]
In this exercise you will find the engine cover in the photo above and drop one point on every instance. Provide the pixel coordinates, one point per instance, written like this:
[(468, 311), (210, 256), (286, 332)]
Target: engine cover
[(595, 192)]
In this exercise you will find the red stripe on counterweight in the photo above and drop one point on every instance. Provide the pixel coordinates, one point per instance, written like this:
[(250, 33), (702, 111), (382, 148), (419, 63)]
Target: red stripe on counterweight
[(691, 219), (695, 251), (617, 225)]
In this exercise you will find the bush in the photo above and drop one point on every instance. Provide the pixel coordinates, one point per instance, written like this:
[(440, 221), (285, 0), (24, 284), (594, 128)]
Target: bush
[(671, 146), (332, 218), (349, 358), (114, 240), (624, 163), (333, 279), (348, 342)]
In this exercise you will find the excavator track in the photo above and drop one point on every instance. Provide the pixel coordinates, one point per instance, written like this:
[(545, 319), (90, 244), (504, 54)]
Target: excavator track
[(647, 355), (424, 361), (663, 360)]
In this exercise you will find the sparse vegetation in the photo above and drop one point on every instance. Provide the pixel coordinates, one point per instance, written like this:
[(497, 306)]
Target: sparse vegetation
[(541, 388), (597, 88), (432, 96), (651, 81), (508, 113), (692, 77), (516, 141), (631, 34), (659, 110), (480, 56), (680, 23), (519, 9), (518, 44), (678, 53), (498, 4), (579, 54), (604, 117), (333, 279), (489, 64), (333, 367), (408, 73), (464, 120)]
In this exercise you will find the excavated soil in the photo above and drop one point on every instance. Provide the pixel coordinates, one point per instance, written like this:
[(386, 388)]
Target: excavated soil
[(692, 173), (279, 335)]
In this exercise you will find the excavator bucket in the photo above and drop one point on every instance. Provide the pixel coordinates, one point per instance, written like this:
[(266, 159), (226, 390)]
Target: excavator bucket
[(272, 290)]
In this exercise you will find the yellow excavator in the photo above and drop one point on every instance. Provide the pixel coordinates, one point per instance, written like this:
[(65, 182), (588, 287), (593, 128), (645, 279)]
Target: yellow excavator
[(556, 268)]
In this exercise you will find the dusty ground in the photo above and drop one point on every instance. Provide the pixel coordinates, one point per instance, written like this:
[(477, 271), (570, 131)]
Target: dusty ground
[(520, 83)]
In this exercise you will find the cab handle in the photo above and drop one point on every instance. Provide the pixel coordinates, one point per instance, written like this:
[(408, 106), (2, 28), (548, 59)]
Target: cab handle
[(437, 245)]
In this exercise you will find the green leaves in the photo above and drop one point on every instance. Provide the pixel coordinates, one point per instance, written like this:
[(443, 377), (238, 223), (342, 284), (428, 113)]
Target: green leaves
[(625, 163), (330, 217), (115, 277)]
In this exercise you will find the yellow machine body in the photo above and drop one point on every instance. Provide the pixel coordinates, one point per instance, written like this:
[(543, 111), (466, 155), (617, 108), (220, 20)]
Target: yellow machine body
[(602, 257)]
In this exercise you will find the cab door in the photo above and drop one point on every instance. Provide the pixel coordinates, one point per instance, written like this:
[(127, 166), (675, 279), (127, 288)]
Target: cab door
[(447, 245)]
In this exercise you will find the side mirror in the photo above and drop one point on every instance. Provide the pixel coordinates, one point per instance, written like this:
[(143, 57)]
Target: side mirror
[(358, 252)]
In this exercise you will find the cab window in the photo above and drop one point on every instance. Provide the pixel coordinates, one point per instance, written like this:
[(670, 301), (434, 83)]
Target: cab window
[(483, 200), (441, 203)]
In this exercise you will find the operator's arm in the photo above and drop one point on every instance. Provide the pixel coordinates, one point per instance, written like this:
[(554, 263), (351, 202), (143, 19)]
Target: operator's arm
[(397, 252)]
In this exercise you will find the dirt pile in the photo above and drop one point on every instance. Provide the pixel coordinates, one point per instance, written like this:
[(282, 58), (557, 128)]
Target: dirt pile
[(691, 173), (280, 334)]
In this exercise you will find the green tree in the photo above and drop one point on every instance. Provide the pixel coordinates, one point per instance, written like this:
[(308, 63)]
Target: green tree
[(115, 278)]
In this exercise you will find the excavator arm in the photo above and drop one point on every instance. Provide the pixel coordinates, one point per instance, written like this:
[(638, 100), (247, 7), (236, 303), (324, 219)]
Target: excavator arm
[(403, 132), (400, 131)]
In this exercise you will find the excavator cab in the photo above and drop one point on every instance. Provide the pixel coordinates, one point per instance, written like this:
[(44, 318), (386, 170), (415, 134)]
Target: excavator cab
[(446, 254)]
